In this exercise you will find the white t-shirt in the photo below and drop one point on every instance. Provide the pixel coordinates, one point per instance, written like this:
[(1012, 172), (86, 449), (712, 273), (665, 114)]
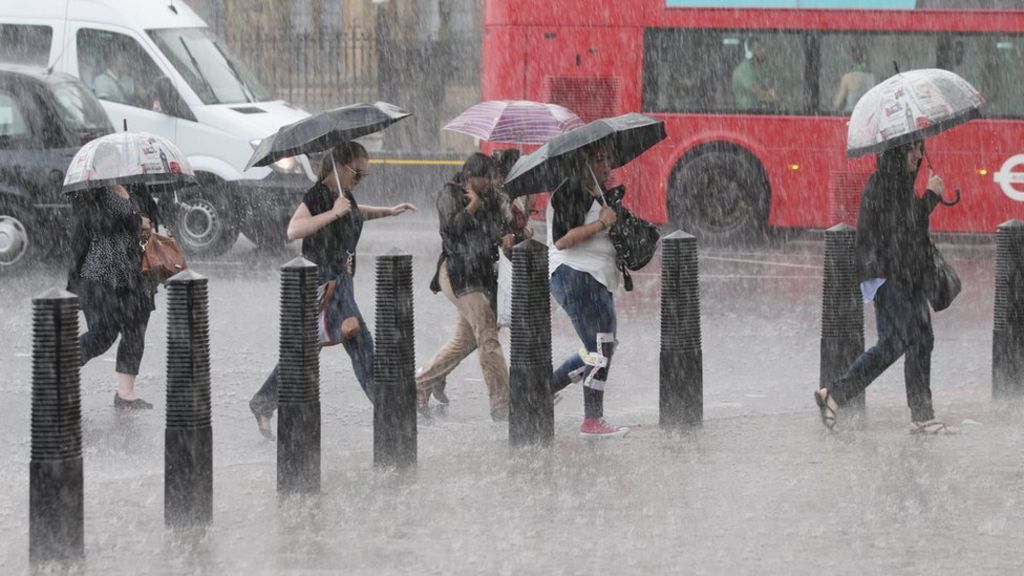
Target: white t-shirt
[(595, 255)]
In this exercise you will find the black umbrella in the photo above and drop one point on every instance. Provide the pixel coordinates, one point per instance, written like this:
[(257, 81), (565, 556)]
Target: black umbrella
[(325, 130), (625, 137)]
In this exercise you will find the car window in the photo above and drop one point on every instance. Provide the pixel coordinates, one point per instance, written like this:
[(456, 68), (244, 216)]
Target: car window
[(12, 121), (116, 68), (80, 111), (25, 44)]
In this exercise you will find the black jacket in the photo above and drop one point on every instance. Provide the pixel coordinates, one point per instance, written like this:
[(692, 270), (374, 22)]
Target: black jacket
[(469, 242), (91, 221), (892, 228)]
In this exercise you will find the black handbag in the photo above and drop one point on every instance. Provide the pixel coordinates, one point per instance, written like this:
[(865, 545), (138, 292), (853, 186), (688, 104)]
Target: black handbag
[(635, 240), (944, 284)]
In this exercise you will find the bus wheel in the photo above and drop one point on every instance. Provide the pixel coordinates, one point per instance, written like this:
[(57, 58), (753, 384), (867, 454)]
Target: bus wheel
[(719, 197), (204, 224)]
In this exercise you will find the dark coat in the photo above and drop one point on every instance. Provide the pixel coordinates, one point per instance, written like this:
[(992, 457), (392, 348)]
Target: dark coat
[(92, 221), (469, 242), (892, 228)]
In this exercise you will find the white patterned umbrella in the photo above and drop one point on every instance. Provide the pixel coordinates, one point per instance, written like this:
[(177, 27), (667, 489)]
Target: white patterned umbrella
[(910, 106), (127, 158)]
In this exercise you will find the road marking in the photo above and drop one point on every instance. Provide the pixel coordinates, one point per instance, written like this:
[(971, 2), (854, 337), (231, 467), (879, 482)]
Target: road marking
[(416, 162), (766, 263)]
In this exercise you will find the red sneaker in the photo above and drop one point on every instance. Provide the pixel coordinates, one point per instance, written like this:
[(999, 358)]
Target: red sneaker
[(598, 428)]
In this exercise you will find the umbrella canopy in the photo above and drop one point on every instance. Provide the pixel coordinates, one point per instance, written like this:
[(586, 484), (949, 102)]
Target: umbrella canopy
[(127, 158), (325, 130), (910, 106), (626, 137), (514, 121)]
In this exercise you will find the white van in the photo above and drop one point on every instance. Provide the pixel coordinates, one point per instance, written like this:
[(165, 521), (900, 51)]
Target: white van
[(156, 67)]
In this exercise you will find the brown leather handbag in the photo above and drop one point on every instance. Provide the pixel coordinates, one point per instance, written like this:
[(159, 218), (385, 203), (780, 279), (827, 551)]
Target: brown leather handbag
[(161, 257)]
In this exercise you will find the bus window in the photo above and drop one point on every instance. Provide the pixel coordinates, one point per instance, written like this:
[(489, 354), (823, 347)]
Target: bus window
[(706, 71), (851, 64), (991, 63)]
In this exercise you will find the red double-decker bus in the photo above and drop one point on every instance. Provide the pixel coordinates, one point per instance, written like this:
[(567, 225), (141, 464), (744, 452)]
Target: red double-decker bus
[(756, 101)]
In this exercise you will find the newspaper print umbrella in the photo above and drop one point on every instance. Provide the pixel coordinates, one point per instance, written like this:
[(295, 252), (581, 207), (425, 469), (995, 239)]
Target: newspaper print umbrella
[(128, 158), (910, 106), (514, 121), (626, 137), (325, 130)]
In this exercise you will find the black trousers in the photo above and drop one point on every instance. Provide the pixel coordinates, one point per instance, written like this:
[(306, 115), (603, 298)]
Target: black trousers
[(111, 312)]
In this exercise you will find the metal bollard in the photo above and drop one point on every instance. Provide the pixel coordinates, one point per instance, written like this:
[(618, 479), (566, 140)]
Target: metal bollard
[(681, 389), (842, 308), (56, 504), (531, 417), (394, 364), (298, 427), (1008, 327), (188, 439)]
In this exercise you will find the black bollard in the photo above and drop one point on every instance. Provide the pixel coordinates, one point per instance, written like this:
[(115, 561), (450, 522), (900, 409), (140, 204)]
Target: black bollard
[(842, 308), (681, 389), (1008, 328), (188, 439), (531, 416), (394, 364), (56, 505), (298, 394)]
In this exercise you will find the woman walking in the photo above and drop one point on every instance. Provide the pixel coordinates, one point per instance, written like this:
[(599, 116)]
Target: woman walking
[(584, 277), (472, 229), (330, 221), (894, 262), (106, 273)]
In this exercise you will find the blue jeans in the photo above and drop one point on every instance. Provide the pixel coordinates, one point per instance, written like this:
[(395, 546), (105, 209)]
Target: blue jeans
[(904, 326), (591, 308), (360, 348)]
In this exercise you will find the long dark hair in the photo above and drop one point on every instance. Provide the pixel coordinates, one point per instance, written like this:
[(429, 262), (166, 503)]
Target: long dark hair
[(344, 154), (894, 160), (504, 160)]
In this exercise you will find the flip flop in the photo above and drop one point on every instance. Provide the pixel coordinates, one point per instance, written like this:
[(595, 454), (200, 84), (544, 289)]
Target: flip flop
[(932, 428), (828, 408)]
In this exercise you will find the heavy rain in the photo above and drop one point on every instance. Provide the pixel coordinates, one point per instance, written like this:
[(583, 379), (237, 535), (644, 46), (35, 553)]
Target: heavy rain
[(511, 287)]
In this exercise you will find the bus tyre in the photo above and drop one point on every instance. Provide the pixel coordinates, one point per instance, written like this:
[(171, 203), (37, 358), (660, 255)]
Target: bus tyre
[(203, 223), (18, 242), (719, 197)]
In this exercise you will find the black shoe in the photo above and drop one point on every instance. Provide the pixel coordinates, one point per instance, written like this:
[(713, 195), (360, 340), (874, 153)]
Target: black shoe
[(262, 422), (439, 394), (137, 404)]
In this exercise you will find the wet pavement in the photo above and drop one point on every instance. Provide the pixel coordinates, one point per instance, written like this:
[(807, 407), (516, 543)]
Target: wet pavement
[(761, 488)]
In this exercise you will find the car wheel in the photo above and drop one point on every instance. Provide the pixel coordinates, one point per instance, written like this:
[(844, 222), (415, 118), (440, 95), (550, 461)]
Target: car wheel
[(204, 223), (16, 236), (720, 197)]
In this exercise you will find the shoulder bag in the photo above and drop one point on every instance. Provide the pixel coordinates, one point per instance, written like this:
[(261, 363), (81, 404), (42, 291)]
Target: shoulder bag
[(161, 257), (944, 285)]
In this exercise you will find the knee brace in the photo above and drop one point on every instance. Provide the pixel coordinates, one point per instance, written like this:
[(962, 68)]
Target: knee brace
[(599, 361)]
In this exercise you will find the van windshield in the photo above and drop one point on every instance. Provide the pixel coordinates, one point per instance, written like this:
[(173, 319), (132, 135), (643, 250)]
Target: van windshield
[(80, 111), (216, 75)]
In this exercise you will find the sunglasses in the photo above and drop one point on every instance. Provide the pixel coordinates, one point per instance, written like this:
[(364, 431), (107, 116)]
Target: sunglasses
[(357, 174)]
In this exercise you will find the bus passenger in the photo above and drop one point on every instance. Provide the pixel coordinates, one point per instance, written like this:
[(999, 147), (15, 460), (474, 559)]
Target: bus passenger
[(748, 90), (854, 83)]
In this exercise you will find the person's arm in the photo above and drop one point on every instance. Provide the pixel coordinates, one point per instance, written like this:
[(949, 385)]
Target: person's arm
[(457, 214), (583, 233), (374, 212), (304, 224)]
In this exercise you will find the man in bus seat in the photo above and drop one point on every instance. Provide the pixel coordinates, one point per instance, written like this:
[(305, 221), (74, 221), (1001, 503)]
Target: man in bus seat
[(854, 83), (749, 92)]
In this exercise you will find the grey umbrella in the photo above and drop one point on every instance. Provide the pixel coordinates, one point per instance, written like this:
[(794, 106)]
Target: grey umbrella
[(325, 130), (626, 137)]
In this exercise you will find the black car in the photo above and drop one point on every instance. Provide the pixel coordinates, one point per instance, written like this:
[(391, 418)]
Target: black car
[(44, 119)]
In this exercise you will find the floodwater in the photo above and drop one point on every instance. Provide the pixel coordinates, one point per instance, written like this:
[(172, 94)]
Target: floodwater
[(761, 488)]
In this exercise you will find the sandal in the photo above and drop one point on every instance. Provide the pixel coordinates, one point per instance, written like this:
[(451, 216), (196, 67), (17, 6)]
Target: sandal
[(932, 427), (828, 408)]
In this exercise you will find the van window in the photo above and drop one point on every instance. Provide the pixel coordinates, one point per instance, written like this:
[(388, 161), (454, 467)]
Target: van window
[(12, 121), (116, 68), (214, 73), (25, 44)]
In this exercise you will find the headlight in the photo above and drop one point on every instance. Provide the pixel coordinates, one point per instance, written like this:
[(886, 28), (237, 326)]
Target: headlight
[(286, 166)]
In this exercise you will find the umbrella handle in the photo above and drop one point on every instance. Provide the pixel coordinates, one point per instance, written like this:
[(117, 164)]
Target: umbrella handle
[(952, 202)]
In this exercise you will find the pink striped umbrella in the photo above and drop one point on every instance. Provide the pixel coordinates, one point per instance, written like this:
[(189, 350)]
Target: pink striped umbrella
[(514, 121)]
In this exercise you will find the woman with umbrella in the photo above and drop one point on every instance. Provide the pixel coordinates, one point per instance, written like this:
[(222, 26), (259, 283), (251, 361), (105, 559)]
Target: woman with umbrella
[(329, 221), (106, 266), (893, 252)]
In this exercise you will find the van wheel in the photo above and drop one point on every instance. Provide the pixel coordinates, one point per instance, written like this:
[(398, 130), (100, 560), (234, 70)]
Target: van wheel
[(17, 228), (204, 223), (720, 197)]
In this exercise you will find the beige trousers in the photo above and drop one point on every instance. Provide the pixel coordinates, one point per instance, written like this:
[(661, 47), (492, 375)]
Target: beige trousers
[(476, 327)]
